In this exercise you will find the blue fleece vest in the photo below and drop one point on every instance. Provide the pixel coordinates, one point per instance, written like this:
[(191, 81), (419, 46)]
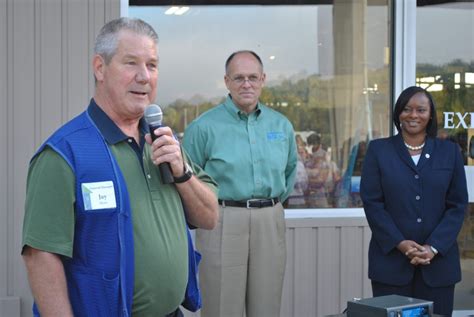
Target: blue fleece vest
[(100, 275)]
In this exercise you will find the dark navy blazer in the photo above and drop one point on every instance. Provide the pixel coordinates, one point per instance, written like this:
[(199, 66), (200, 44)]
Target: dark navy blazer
[(424, 203)]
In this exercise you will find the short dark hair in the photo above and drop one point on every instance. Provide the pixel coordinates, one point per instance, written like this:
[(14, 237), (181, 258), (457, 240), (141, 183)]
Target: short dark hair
[(229, 59), (313, 139), (402, 101)]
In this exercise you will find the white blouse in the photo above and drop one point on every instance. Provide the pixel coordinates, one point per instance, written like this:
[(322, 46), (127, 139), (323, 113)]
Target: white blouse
[(416, 158)]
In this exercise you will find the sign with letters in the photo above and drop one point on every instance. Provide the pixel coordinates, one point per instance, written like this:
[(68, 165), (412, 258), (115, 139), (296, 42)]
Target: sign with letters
[(454, 120)]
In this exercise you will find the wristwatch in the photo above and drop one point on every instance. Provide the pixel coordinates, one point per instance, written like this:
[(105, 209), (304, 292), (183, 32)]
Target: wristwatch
[(433, 249), (188, 173)]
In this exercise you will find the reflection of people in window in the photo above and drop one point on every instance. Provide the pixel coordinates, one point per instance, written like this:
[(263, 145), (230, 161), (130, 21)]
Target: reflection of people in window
[(361, 150), (317, 170), (334, 177), (299, 140), (301, 147), (314, 141), (296, 198)]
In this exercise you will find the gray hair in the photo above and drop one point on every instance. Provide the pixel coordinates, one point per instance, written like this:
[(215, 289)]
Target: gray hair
[(106, 41)]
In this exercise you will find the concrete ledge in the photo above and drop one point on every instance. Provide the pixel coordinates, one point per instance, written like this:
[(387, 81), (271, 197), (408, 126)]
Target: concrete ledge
[(324, 213), (463, 313), (331, 217), (10, 306)]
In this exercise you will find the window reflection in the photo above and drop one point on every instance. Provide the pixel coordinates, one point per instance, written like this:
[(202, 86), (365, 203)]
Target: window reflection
[(448, 73), (327, 70)]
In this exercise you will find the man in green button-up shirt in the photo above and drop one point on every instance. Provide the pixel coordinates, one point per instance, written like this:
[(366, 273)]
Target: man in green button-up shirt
[(249, 149)]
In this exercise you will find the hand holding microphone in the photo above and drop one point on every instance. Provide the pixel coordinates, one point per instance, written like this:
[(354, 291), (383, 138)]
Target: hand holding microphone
[(154, 117)]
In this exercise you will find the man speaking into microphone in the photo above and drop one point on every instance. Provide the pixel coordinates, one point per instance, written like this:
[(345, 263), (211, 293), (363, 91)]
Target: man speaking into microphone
[(103, 234)]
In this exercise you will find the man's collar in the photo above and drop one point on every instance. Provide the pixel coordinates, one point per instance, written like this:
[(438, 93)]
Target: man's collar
[(230, 106), (107, 127)]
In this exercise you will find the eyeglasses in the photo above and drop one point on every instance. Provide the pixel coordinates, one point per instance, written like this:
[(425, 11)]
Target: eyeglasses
[(239, 79)]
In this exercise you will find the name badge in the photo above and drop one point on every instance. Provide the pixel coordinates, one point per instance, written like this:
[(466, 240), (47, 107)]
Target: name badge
[(99, 195)]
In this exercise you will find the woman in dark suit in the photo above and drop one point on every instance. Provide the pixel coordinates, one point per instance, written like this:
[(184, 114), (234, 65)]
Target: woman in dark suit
[(414, 192)]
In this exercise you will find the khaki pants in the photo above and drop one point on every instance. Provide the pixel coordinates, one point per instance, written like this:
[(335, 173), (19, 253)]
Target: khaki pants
[(243, 263)]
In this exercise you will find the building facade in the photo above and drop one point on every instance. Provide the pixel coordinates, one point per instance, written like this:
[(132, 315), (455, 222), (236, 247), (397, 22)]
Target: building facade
[(334, 68)]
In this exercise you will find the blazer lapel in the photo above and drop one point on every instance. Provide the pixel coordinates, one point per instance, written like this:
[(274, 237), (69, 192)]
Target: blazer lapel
[(426, 154), (403, 151)]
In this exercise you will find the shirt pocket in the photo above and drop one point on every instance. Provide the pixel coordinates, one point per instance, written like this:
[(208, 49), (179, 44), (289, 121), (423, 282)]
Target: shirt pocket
[(277, 149)]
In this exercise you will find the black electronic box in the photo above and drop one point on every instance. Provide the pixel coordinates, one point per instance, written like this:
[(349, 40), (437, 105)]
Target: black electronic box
[(389, 306)]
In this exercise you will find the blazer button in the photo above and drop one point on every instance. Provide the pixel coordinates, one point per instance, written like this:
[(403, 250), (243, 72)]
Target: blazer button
[(418, 220), (417, 176), (417, 197)]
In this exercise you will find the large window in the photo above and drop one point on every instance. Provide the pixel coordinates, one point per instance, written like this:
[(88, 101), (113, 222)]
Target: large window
[(328, 71), (445, 66)]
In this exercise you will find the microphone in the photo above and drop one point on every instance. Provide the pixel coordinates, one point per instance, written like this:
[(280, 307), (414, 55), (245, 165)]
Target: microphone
[(154, 116)]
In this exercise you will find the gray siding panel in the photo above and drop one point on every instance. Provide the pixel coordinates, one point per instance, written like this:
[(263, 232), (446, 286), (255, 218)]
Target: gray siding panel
[(305, 271), (78, 68), (3, 154), (45, 79), (328, 270), (367, 287), (329, 265), (96, 20), (64, 59), (22, 125), (49, 84), (351, 264), (9, 306), (287, 301)]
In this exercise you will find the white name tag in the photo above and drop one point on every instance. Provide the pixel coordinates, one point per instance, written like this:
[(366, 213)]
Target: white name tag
[(99, 195)]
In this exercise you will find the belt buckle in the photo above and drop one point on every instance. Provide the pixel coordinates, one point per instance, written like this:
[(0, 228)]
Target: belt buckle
[(251, 200)]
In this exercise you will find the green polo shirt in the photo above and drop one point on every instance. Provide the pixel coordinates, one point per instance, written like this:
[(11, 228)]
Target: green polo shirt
[(160, 240), (250, 156)]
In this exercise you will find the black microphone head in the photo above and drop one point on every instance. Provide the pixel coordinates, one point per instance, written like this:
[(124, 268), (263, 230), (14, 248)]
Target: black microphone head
[(153, 115)]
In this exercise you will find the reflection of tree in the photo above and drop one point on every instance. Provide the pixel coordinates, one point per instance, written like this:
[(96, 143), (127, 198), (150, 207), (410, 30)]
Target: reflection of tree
[(309, 103), (306, 102), (180, 113), (455, 96)]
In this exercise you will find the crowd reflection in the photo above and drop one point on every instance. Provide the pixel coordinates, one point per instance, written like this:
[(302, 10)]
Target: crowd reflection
[(321, 180)]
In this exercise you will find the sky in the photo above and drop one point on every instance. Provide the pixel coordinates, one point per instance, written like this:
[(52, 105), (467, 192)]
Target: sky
[(445, 32), (193, 47)]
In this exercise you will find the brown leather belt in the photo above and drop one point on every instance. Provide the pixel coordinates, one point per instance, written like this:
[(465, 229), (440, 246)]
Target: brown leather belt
[(250, 203)]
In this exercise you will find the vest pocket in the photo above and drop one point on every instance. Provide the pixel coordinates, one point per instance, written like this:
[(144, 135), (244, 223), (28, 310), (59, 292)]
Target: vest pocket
[(92, 293)]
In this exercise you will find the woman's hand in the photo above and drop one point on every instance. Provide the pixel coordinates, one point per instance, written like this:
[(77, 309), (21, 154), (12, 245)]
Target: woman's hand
[(410, 248), (418, 254)]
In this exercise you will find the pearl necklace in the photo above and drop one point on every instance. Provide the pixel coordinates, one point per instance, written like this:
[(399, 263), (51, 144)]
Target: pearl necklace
[(414, 148)]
